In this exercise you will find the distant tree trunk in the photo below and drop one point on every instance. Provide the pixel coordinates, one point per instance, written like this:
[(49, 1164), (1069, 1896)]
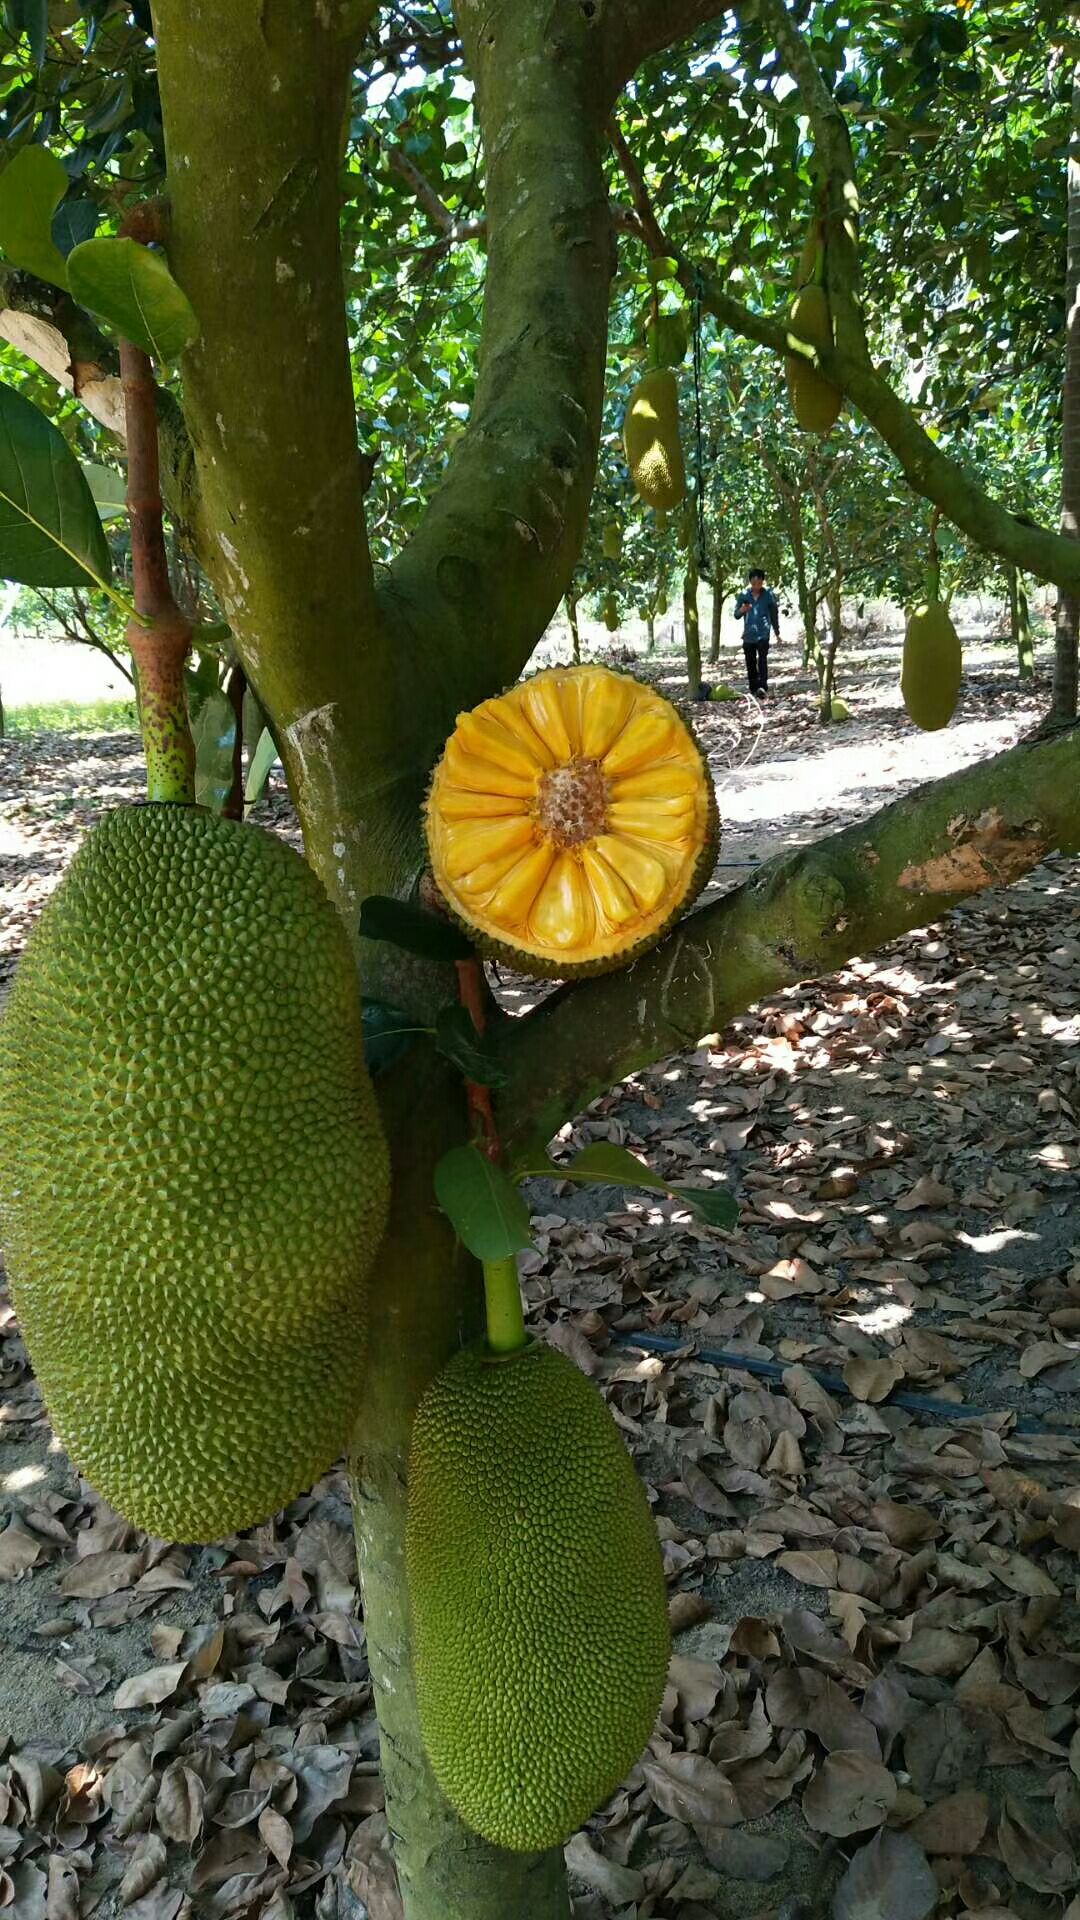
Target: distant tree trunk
[(1020, 624), (717, 613), (3, 733), (650, 629), (575, 636), (1068, 608), (692, 626), (827, 678)]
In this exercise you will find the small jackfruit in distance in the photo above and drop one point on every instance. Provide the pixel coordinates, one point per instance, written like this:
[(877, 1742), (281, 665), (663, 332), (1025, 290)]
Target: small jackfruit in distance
[(931, 667), (815, 401), (536, 1594), (652, 443), (611, 613), (611, 540), (194, 1178), (570, 821)]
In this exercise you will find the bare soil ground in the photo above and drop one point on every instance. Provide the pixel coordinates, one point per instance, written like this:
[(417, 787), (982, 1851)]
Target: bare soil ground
[(872, 1710)]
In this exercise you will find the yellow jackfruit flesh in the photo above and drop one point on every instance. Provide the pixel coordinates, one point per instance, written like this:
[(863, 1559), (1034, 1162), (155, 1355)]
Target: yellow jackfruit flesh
[(536, 1596), (611, 540), (194, 1178), (815, 401), (931, 667), (651, 441), (570, 821)]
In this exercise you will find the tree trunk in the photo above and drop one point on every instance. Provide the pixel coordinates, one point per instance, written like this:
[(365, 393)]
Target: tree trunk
[(427, 1299), (715, 635), (836, 634), (575, 635), (1020, 625), (692, 626), (1068, 610), (650, 629)]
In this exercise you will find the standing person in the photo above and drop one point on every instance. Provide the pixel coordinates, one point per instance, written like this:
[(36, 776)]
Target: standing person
[(757, 609)]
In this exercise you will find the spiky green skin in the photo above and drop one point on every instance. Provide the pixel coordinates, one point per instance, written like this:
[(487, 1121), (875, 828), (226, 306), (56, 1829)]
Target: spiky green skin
[(536, 1596), (562, 968), (193, 1177), (931, 668)]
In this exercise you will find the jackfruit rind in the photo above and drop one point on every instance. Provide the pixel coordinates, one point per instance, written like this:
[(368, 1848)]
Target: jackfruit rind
[(931, 667), (611, 613), (815, 402), (611, 540), (536, 1594), (652, 443), (194, 1178), (570, 821)]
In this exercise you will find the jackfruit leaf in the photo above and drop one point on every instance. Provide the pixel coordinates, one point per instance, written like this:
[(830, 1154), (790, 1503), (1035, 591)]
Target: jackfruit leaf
[(482, 1203), (32, 18), (457, 1038), (129, 287), (50, 530), (259, 770), (606, 1164), (32, 186), (108, 487), (74, 221), (889, 1879), (214, 731), (406, 925), (388, 1032)]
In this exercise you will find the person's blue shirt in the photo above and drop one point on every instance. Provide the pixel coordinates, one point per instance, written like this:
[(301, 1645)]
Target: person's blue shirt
[(760, 616)]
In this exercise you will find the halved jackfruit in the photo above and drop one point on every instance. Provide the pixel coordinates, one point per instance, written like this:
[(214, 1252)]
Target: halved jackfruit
[(570, 821)]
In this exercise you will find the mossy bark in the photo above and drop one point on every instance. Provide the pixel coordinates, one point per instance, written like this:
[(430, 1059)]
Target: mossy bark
[(575, 632)]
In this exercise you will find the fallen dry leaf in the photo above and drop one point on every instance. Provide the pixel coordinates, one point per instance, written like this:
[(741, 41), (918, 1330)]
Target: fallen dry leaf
[(849, 1793)]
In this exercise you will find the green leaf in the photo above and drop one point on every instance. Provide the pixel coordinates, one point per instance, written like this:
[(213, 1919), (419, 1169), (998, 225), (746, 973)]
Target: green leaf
[(457, 1038), (131, 289), (32, 186), (607, 1164), (415, 929), (482, 1203), (50, 530), (388, 1032), (32, 18), (259, 771), (108, 488), (214, 732)]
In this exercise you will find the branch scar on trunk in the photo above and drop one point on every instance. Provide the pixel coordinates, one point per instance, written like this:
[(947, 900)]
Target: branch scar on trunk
[(988, 851)]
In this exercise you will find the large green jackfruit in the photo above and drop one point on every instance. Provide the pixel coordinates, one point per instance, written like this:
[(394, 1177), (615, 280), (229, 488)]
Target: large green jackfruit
[(193, 1178), (931, 667), (652, 443), (815, 401), (536, 1592), (611, 540)]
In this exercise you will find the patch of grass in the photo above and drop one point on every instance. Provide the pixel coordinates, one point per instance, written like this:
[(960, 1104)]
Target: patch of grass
[(69, 716)]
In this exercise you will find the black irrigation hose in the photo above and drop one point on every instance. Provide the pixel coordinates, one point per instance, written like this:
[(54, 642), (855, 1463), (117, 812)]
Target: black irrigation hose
[(832, 1382)]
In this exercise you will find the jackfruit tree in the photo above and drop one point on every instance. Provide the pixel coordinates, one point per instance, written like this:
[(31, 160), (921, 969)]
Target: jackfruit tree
[(248, 118)]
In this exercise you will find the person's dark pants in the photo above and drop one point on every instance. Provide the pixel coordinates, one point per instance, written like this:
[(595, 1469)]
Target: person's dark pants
[(757, 664)]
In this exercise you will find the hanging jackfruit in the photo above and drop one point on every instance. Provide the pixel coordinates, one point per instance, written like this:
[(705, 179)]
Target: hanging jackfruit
[(651, 441), (815, 401), (611, 540), (931, 667), (570, 821), (193, 1178), (667, 339), (536, 1595), (611, 613)]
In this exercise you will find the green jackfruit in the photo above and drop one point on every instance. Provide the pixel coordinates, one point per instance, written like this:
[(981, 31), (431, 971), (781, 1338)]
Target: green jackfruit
[(839, 710), (667, 338), (611, 613), (194, 1178), (815, 401), (651, 441), (611, 540), (536, 1591), (931, 667)]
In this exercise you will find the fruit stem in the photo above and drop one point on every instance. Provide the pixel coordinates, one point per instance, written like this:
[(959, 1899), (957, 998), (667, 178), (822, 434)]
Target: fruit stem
[(933, 565), (502, 1300), (160, 635)]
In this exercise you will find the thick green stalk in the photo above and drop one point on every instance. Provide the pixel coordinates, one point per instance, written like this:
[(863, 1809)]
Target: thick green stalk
[(502, 1297), (427, 1302), (800, 915)]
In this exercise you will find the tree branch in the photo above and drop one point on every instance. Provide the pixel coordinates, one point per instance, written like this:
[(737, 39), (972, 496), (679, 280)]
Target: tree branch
[(801, 915), (927, 469)]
